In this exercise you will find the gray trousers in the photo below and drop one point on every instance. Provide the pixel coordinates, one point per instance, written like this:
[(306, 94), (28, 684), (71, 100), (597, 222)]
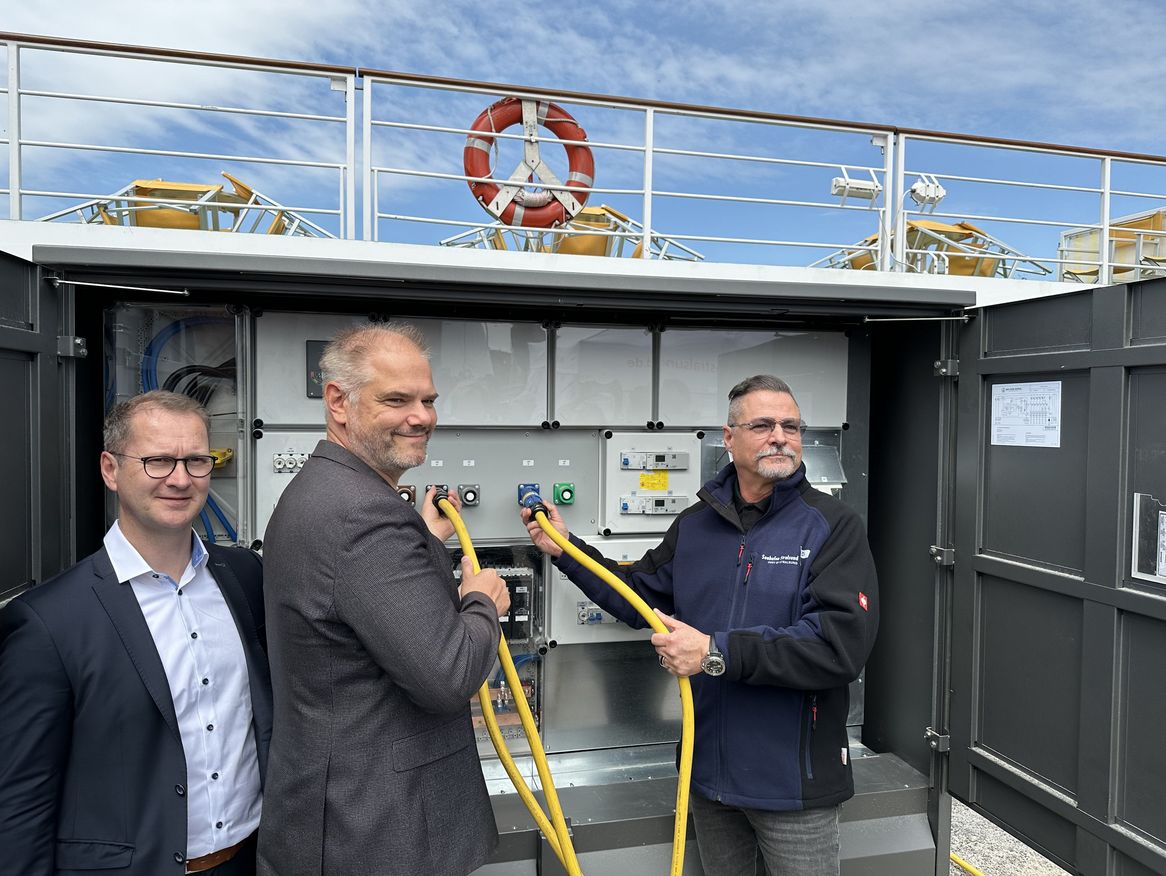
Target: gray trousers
[(739, 842)]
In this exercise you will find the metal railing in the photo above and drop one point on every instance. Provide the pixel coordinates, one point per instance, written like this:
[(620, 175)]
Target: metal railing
[(272, 152), (744, 186)]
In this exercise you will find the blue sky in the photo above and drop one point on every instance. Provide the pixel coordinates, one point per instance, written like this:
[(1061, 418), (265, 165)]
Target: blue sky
[(1069, 72)]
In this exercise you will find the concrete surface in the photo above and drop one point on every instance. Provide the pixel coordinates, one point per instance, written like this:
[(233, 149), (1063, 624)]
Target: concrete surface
[(992, 851)]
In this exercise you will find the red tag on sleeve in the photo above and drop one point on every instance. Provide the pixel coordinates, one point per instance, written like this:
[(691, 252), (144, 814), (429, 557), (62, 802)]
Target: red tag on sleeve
[(863, 601)]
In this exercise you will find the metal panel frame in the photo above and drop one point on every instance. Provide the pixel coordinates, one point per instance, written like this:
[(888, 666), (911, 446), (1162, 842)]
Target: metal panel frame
[(46, 504)]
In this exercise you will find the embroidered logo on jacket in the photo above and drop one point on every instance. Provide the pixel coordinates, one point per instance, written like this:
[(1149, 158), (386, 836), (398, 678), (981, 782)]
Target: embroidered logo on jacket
[(782, 559)]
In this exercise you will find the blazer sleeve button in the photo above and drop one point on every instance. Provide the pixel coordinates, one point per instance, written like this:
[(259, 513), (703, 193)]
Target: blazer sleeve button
[(179, 790), (179, 858)]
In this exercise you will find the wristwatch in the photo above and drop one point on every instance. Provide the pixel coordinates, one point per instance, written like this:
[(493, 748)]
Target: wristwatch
[(713, 663)]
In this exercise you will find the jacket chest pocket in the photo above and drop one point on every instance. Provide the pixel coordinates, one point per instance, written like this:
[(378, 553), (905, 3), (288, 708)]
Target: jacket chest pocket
[(771, 593)]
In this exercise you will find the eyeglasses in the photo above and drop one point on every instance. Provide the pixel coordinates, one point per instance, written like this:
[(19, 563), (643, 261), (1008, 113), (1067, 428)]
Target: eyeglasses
[(158, 467), (765, 426)]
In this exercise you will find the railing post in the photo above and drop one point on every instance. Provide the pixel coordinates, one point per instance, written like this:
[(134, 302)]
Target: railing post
[(899, 190), (350, 157), (368, 195), (649, 134), (1104, 268), (890, 198), (14, 183)]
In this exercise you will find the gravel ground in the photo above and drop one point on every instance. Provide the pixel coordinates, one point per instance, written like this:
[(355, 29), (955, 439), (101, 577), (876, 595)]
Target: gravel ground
[(992, 851)]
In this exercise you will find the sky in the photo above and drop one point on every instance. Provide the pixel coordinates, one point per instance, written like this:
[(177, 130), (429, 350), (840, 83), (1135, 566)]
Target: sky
[(1051, 71), (1069, 72)]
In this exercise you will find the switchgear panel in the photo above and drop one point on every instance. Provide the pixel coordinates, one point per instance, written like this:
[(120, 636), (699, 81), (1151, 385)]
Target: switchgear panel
[(649, 478)]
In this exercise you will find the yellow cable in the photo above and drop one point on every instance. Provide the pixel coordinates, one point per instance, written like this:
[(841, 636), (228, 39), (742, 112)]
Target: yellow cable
[(680, 828), (964, 865), (554, 829)]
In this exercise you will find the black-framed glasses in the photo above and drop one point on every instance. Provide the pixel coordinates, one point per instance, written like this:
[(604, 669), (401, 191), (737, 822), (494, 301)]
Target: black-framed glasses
[(158, 467), (792, 427)]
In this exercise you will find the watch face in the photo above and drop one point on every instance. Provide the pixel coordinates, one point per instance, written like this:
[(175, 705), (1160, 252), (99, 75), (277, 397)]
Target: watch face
[(713, 664)]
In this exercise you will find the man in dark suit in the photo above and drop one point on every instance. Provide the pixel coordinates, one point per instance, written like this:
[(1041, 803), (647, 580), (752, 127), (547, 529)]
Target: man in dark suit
[(375, 650), (135, 702)]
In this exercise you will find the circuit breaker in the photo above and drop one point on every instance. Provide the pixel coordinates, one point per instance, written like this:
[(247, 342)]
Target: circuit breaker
[(648, 479)]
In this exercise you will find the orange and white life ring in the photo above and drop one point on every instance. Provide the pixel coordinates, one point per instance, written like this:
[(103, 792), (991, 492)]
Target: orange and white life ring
[(516, 206)]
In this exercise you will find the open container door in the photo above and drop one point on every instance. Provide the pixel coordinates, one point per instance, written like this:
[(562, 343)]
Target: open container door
[(35, 520), (1057, 699)]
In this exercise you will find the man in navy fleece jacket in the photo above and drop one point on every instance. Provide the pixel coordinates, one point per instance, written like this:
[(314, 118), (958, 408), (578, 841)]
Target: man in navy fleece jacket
[(768, 590)]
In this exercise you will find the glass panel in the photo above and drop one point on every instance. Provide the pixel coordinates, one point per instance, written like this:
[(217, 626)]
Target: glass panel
[(698, 368), (488, 373), (603, 376)]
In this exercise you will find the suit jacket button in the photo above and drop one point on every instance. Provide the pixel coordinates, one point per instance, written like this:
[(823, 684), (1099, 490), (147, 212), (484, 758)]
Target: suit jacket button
[(179, 790), (179, 858)]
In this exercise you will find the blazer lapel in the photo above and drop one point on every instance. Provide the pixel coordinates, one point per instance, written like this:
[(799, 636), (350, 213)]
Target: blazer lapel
[(117, 597), (258, 672)]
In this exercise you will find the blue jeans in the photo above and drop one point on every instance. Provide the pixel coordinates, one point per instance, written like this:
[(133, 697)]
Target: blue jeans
[(734, 841)]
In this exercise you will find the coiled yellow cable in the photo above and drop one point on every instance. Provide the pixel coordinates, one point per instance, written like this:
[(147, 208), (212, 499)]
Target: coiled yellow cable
[(554, 828)]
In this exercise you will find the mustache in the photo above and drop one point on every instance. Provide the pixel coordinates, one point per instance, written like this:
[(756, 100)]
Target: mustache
[(776, 451)]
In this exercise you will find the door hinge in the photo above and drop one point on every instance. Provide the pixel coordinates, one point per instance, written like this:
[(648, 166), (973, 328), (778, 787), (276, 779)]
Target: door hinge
[(938, 741), (943, 556), (946, 367), (71, 347)]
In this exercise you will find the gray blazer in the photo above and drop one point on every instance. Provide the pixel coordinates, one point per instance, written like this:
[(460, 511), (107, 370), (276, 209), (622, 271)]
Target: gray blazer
[(373, 767)]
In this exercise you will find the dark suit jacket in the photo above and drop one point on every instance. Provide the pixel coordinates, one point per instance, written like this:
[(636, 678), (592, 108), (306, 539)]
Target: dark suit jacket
[(92, 770), (374, 658)]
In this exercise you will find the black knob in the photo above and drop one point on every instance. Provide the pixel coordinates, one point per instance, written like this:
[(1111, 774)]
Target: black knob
[(659, 424), (651, 425), (554, 424), (257, 423), (546, 424)]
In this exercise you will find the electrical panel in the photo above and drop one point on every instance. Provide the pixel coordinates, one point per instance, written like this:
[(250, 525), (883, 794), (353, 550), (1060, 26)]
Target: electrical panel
[(573, 619), (280, 456), (649, 478), (498, 465), (521, 567)]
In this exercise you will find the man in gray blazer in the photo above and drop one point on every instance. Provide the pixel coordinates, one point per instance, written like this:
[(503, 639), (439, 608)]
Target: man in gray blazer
[(375, 650)]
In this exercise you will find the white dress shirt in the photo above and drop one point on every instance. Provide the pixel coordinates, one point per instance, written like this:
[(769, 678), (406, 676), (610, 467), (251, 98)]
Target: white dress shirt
[(201, 651)]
